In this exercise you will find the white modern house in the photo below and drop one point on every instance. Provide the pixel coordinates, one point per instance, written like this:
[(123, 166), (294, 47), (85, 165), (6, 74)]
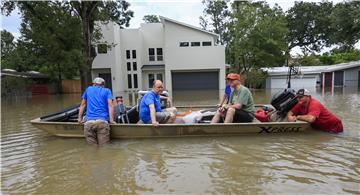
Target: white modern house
[(184, 57), (338, 75)]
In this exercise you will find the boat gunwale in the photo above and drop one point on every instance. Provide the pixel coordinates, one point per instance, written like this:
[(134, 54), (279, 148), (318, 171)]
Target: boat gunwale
[(38, 121)]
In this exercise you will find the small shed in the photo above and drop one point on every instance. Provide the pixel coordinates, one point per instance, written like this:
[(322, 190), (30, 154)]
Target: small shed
[(338, 75)]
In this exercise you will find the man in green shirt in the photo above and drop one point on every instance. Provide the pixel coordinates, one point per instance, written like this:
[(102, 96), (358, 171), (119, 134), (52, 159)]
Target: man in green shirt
[(241, 105)]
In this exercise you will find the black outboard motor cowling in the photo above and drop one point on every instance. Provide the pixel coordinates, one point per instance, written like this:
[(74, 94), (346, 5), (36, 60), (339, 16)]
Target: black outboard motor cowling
[(284, 100)]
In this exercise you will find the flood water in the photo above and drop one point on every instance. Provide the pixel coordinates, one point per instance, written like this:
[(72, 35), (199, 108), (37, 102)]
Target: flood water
[(33, 162)]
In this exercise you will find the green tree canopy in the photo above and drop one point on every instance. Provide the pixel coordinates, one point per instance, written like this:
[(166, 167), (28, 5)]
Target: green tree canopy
[(215, 18), (151, 19)]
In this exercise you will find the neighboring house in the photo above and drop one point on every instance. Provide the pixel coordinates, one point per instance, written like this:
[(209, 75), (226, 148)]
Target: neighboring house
[(339, 75), (184, 57)]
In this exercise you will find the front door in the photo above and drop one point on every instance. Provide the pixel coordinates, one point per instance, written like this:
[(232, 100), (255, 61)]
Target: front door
[(154, 76)]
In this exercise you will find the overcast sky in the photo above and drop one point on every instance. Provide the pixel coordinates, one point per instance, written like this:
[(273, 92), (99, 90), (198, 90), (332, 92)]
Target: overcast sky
[(187, 11)]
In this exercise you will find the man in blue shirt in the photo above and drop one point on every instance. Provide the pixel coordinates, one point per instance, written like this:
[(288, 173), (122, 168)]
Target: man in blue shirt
[(226, 97), (99, 112), (150, 107)]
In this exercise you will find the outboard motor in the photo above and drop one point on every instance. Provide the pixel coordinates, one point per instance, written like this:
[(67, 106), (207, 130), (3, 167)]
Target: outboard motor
[(283, 101)]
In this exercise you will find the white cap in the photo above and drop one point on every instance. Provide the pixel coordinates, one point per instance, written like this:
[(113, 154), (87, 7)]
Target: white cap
[(99, 81), (302, 92)]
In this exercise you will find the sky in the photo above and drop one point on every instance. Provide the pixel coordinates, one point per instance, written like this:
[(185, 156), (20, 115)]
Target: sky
[(187, 11)]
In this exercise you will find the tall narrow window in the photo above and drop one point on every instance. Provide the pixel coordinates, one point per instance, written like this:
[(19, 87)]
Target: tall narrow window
[(127, 54), (134, 54), (159, 77), (195, 44), (151, 54), (129, 81), (128, 64), (134, 66), (102, 48), (159, 53), (135, 81), (151, 80)]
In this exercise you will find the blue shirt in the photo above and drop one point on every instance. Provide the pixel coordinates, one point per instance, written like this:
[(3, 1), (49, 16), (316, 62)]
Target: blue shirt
[(149, 98), (228, 92), (97, 102)]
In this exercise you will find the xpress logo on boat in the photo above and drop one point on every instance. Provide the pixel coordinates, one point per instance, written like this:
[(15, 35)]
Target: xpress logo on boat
[(269, 129)]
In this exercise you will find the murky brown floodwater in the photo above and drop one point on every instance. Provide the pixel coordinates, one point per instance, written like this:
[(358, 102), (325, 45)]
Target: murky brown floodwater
[(34, 162)]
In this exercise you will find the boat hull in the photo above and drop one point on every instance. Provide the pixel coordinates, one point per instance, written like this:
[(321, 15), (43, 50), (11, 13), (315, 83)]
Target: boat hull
[(72, 129)]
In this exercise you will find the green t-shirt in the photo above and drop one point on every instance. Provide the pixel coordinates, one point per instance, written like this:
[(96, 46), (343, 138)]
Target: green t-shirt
[(243, 96)]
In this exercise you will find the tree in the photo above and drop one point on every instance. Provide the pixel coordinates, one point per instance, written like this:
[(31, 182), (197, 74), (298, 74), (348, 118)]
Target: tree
[(7, 48), (345, 25), (85, 13), (258, 36), (309, 25), (151, 19), (215, 18)]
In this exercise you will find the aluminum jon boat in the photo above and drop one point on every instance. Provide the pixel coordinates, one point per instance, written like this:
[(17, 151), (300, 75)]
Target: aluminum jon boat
[(133, 130)]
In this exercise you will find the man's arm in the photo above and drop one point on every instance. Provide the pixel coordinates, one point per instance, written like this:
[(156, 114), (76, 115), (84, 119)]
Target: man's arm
[(291, 117), (308, 118), (81, 110), (111, 111), (236, 106), (152, 115)]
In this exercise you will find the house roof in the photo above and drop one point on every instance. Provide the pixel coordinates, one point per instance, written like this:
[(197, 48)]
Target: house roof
[(29, 74), (162, 18), (312, 69)]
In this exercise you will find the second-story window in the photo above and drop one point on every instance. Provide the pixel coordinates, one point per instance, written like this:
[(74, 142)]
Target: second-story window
[(184, 44), (134, 66), (195, 44), (206, 43), (159, 53), (151, 54), (127, 54), (102, 48), (134, 54)]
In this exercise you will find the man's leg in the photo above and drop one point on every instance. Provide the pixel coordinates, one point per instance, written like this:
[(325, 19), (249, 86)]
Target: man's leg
[(103, 133), (90, 134), (216, 118), (229, 115), (172, 112)]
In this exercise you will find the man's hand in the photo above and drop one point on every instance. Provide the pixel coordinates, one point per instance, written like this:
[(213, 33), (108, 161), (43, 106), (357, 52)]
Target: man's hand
[(80, 120), (155, 124), (292, 118)]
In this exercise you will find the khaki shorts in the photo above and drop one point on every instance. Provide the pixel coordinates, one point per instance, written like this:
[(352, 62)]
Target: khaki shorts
[(161, 117), (97, 132)]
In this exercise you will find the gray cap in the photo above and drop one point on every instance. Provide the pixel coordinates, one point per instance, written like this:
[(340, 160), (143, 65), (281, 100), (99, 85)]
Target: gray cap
[(99, 80)]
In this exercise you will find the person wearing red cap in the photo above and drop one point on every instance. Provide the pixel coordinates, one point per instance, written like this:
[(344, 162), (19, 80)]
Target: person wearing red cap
[(311, 110), (240, 107)]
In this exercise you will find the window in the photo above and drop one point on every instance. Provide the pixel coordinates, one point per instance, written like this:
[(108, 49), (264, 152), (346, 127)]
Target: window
[(184, 44), (151, 80), (134, 67), (195, 44), (206, 43), (128, 66), (151, 54), (134, 54), (135, 81), (159, 53), (129, 81), (102, 48), (127, 54), (159, 77)]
